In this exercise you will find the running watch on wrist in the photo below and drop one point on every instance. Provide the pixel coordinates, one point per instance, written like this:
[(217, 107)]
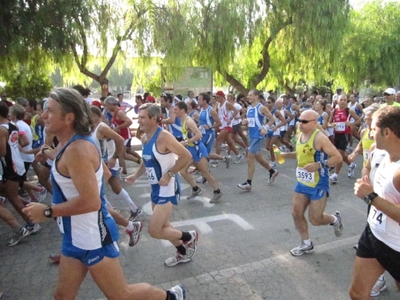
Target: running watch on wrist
[(48, 212), (171, 174), (368, 199)]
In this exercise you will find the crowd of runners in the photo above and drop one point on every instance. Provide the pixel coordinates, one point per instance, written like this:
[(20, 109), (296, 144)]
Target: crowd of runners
[(76, 145)]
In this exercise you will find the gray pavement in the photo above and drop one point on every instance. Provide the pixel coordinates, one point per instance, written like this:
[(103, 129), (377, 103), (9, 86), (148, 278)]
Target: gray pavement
[(243, 248)]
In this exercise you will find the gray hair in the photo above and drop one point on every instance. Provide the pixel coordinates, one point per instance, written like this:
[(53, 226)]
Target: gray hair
[(22, 101), (18, 111), (153, 110), (72, 101), (111, 100)]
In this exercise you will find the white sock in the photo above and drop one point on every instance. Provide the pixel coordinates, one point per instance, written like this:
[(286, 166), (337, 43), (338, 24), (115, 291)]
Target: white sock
[(130, 226), (123, 195), (334, 222), (307, 242)]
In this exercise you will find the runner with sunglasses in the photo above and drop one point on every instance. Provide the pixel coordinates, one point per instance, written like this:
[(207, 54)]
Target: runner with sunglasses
[(314, 154)]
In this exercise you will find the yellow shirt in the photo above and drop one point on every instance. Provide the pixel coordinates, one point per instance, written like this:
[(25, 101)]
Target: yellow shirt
[(394, 104), (306, 154), (366, 142)]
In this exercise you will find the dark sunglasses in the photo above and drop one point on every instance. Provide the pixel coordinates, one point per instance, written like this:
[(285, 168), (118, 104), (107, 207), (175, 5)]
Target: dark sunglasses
[(306, 121), (386, 94)]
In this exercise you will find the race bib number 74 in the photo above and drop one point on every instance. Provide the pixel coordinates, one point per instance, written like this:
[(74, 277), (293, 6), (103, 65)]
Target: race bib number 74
[(377, 219)]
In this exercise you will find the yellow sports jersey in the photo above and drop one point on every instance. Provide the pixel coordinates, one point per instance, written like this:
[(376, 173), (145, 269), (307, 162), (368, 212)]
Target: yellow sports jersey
[(366, 142), (306, 154), (185, 132), (33, 126)]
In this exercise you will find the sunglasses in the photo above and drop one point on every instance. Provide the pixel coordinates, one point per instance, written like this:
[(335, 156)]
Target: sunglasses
[(306, 121), (386, 94), (269, 102)]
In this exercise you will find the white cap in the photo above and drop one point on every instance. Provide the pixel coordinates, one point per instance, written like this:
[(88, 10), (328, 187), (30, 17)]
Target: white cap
[(390, 91)]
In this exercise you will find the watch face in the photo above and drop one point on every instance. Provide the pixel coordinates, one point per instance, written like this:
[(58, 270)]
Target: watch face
[(47, 213)]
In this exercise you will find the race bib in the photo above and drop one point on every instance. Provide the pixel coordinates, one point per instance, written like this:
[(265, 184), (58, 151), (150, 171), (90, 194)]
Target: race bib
[(151, 175), (305, 176), (251, 122), (202, 130), (366, 154), (341, 126), (377, 219)]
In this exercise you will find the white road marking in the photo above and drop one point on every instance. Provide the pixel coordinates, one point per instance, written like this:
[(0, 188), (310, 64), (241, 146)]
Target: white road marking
[(202, 224)]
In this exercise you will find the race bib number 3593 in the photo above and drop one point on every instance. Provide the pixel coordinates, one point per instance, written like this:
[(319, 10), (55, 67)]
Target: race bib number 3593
[(305, 176)]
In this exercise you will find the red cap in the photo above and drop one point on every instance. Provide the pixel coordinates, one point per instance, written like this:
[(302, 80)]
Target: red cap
[(97, 103), (220, 93), (151, 99)]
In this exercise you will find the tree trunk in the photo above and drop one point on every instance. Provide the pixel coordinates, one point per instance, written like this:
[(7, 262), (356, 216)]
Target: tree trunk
[(289, 91), (104, 86), (234, 82)]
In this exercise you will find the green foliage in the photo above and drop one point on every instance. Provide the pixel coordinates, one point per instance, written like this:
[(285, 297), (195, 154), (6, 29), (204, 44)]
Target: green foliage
[(27, 26), (252, 43), (371, 50), (24, 84)]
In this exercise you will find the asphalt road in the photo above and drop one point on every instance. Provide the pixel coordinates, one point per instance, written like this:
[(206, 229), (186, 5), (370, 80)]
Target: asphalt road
[(243, 250)]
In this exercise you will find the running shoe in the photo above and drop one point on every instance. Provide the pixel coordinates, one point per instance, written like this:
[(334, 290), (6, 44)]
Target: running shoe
[(338, 225), (216, 197), (333, 178), (239, 158), (351, 169), (194, 194), (227, 160), (17, 236), (301, 249), (176, 259), (195, 171), (272, 164), (273, 173), (135, 214), (32, 229), (55, 257), (178, 291), (191, 246), (201, 179), (214, 163), (331, 170), (134, 234), (245, 186), (379, 286)]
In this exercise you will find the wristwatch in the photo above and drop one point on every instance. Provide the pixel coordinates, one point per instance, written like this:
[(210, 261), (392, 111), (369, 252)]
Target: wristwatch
[(368, 199), (171, 174), (48, 212)]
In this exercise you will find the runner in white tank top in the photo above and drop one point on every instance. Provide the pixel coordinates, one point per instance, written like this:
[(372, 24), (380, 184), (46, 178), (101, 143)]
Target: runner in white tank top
[(379, 244)]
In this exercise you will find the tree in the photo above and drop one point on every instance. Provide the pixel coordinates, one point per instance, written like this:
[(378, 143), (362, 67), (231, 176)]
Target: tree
[(245, 40), (86, 33), (31, 86), (371, 50), (33, 32), (127, 28)]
